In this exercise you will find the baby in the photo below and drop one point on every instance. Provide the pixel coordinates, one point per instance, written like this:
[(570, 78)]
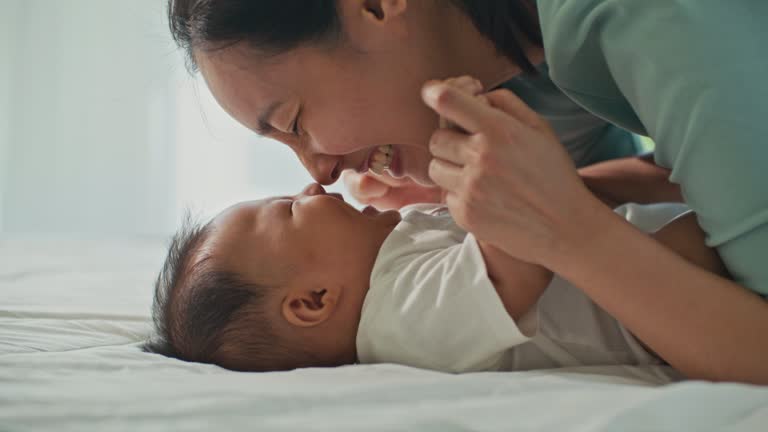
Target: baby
[(308, 280)]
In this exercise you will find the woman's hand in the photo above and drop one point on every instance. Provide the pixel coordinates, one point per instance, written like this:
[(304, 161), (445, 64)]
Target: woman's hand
[(386, 192), (508, 179), (512, 185)]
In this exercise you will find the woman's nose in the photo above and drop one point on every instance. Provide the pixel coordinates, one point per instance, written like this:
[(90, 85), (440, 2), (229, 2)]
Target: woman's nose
[(313, 189), (325, 169)]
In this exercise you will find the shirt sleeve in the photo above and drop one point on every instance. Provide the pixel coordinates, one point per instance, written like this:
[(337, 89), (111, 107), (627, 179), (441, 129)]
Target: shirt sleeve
[(691, 74), (438, 310)]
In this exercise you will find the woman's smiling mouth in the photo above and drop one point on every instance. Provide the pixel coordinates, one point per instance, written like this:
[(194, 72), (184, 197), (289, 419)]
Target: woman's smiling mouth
[(381, 159)]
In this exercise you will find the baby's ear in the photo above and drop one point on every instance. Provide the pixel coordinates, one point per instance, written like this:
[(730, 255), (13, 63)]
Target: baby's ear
[(309, 307)]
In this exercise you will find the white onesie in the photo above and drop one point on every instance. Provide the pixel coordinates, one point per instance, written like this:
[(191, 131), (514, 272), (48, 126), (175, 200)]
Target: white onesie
[(431, 305)]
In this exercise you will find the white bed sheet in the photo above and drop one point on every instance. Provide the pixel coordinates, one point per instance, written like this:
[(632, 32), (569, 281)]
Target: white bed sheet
[(73, 313)]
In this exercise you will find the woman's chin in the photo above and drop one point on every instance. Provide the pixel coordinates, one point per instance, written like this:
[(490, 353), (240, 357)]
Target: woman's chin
[(422, 179), (412, 163)]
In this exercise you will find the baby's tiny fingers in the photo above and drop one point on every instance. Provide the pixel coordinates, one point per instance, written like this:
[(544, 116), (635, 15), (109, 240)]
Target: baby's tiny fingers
[(363, 187)]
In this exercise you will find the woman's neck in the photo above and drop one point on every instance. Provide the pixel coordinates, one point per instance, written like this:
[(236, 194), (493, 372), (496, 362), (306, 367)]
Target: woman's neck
[(468, 52)]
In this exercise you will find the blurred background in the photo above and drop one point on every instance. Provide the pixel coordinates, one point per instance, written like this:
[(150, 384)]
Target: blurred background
[(104, 132)]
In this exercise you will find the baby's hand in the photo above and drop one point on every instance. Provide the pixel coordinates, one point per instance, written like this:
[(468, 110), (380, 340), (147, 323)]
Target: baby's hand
[(386, 192)]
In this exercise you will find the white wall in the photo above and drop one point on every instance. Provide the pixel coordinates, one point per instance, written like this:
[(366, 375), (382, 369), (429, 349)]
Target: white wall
[(90, 116), (104, 132), (219, 162), (8, 21)]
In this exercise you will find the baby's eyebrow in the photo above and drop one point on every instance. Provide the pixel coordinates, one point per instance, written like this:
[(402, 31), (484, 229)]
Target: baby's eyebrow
[(263, 127)]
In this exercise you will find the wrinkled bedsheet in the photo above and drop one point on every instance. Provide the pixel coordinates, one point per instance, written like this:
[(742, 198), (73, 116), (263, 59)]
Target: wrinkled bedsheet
[(74, 312)]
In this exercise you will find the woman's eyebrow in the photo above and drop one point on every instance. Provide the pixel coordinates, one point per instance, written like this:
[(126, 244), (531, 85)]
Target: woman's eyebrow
[(263, 127)]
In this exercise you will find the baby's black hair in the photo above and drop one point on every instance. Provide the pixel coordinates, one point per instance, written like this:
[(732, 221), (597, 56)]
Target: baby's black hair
[(209, 315)]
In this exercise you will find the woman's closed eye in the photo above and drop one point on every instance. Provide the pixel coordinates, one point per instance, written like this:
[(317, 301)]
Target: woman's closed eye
[(296, 127)]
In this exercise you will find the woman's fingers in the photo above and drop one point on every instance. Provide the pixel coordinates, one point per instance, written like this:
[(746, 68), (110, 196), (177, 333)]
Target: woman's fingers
[(445, 174), (456, 101), (508, 180), (511, 104), (462, 108), (467, 83), (450, 145)]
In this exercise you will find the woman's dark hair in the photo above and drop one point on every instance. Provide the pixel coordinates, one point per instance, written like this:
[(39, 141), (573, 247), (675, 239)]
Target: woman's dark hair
[(507, 23), (276, 26)]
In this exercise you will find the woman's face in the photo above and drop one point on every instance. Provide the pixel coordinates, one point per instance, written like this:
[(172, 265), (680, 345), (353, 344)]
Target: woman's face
[(333, 108)]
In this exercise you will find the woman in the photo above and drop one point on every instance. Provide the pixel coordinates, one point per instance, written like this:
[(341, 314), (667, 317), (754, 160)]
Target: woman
[(342, 83)]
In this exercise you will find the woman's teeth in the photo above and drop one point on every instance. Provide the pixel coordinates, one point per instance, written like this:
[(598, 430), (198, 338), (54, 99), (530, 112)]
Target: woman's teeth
[(381, 159)]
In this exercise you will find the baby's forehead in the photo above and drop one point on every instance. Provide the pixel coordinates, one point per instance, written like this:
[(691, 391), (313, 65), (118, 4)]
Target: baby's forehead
[(210, 262), (239, 241), (229, 225), (241, 211)]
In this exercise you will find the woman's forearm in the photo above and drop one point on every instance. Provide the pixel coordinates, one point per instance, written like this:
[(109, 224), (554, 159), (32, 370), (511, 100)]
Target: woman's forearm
[(705, 326), (510, 183), (633, 179)]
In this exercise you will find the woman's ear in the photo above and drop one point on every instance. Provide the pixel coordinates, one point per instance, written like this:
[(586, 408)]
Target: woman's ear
[(383, 11), (374, 24), (309, 307)]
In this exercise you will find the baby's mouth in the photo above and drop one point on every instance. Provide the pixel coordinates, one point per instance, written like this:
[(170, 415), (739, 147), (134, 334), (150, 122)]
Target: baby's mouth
[(381, 159)]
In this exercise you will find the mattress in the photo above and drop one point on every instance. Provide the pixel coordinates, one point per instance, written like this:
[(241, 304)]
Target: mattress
[(74, 312)]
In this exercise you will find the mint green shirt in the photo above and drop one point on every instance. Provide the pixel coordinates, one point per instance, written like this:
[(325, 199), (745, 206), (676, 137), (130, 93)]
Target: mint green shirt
[(691, 74), (587, 138)]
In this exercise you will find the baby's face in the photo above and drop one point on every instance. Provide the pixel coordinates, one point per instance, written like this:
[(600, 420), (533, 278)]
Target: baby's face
[(310, 231), (312, 240)]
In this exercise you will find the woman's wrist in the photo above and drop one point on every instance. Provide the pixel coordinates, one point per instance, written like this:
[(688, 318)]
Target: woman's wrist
[(588, 223)]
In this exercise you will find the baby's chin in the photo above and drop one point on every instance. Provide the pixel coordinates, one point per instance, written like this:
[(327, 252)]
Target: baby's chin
[(387, 216)]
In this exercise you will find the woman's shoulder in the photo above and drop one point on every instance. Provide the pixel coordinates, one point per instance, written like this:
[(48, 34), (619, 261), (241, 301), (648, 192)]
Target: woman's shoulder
[(613, 56), (584, 36)]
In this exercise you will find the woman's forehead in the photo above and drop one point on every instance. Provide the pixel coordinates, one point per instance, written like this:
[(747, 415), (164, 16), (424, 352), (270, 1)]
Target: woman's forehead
[(243, 62), (250, 95)]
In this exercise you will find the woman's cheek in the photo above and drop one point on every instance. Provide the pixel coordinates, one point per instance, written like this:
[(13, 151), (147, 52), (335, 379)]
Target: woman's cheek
[(415, 162), (337, 140)]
